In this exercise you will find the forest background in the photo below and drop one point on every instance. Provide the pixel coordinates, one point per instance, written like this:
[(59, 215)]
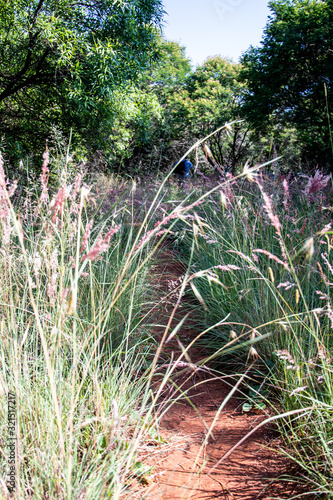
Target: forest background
[(102, 72)]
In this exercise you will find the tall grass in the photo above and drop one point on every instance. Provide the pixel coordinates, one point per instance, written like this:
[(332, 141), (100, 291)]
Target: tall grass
[(76, 308), (263, 257), (75, 342)]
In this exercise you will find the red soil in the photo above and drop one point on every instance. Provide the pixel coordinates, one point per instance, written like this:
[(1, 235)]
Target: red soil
[(183, 469)]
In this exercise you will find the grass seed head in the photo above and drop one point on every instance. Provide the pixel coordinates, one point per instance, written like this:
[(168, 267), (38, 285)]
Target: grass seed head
[(253, 353), (308, 248), (233, 335)]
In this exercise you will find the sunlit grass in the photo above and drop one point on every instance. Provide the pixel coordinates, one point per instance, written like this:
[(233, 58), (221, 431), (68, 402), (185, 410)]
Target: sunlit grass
[(78, 313), (264, 259), (76, 346)]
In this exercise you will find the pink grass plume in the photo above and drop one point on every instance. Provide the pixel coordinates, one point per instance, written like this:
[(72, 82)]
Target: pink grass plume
[(44, 179), (272, 257), (58, 203), (315, 184), (86, 235), (101, 245), (286, 198)]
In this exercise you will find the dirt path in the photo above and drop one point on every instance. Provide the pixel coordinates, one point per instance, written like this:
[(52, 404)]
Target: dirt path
[(184, 469)]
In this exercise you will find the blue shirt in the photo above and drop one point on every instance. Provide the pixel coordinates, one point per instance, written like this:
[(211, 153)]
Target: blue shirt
[(183, 168), (187, 167)]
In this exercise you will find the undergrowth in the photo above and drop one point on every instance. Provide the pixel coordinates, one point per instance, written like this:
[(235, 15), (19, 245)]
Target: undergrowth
[(75, 346), (263, 259), (78, 350)]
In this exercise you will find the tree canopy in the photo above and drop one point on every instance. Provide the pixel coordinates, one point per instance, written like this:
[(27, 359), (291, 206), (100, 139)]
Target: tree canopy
[(61, 60), (102, 69), (290, 76), (193, 103)]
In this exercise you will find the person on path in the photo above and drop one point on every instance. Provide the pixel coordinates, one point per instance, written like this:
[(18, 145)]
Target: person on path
[(182, 170)]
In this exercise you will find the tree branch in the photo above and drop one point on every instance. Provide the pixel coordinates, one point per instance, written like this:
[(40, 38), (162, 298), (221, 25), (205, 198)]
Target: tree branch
[(37, 11), (37, 77)]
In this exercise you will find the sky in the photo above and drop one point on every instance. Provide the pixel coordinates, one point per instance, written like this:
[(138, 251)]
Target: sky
[(215, 27)]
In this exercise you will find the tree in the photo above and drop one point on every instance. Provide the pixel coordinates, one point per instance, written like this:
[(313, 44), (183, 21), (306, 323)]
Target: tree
[(169, 73), (185, 105), (214, 100), (193, 104), (167, 79), (62, 60), (159, 136), (289, 77)]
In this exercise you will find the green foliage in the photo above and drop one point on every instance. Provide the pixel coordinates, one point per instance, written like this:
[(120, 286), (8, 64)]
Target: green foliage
[(288, 75), (135, 114), (75, 342), (213, 90), (169, 72), (194, 103), (61, 62), (214, 99), (164, 130), (261, 257)]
